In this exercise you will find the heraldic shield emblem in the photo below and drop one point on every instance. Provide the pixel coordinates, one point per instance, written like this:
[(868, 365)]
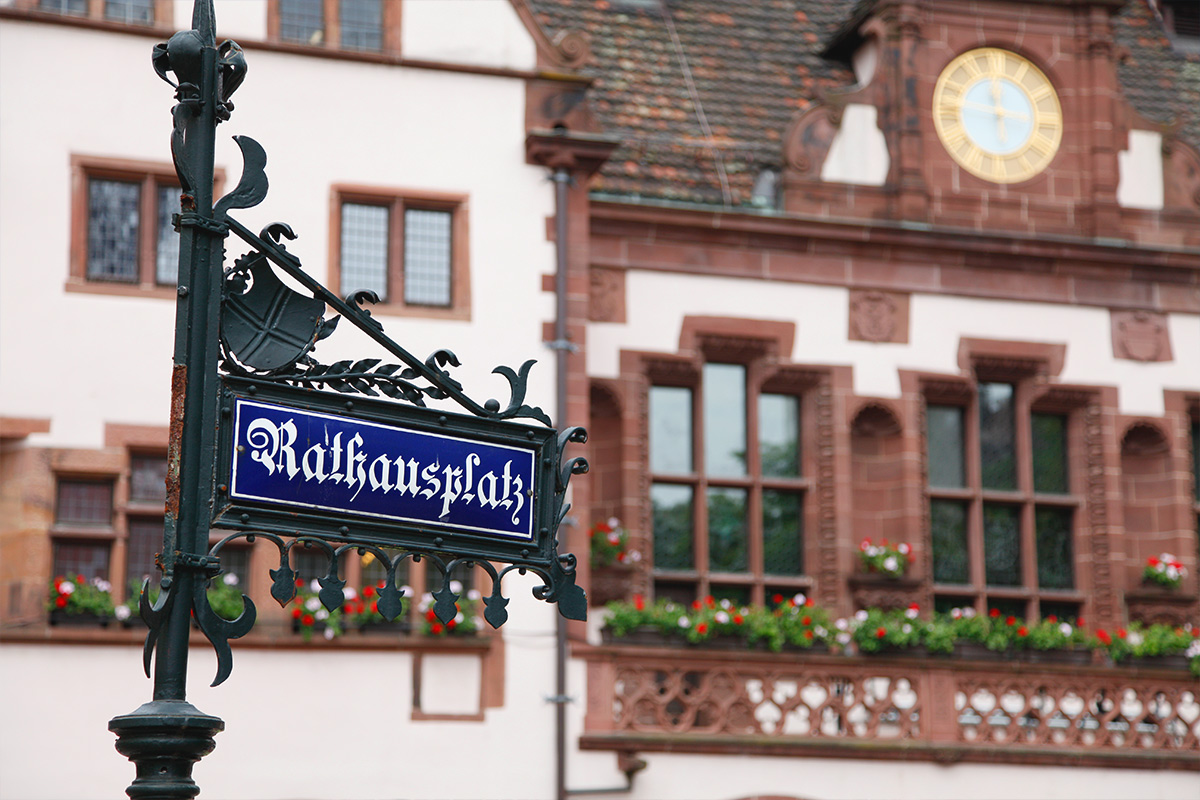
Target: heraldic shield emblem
[(265, 324)]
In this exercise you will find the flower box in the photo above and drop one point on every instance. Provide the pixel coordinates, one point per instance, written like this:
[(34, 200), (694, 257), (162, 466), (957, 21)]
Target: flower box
[(86, 619), (645, 636), (1175, 661), (384, 628)]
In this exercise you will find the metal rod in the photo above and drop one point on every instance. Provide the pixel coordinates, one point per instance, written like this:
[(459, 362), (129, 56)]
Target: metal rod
[(562, 179)]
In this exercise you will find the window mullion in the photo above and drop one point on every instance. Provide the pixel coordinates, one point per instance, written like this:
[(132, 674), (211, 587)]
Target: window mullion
[(754, 500), (974, 480), (1023, 450), (700, 496), (333, 37), (395, 271), (147, 231)]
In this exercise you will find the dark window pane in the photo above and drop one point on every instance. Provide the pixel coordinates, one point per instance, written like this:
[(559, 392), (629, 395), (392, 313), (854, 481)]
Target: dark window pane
[(738, 595), (302, 21), (945, 603), (139, 12), (1066, 612), (145, 539), (148, 479), (85, 502), (166, 257), (783, 553), (725, 419), (1008, 608), (236, 561), (948, 524), (364, 257), (89, 559), (945, 439), (1049, 453), (309, 563), (779, 435), (1055, 555), (77, 8), (427, 257), (462, 573), (996, 437), (670, 430), (361, 23), (112, 246), (1002, 545), (1196, 458), (672, 526), (676, 592), (727, 546), (374, 571)]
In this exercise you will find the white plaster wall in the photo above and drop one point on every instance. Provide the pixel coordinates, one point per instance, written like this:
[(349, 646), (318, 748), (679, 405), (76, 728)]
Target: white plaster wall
[(658, 302), (858, 153), (482, 32), (299, 724), (1140, 169), (322, 122)]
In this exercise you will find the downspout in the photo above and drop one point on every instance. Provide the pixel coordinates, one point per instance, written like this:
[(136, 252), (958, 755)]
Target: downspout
[(562, 180)]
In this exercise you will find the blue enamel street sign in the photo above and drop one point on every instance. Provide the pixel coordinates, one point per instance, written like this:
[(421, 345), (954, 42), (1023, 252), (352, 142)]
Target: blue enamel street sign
[(309, 462), (294, 457)]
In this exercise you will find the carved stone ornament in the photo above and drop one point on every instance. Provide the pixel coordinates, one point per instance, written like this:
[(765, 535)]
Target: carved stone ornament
[(878, 316), (606, 295), (1140, 336)]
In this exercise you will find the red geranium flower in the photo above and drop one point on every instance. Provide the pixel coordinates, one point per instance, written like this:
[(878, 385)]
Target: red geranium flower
[(1052, 618), (1152, 561), (1120, 633), (296, 612), (429, 615), (710, 602), (995, 612), (451, 624), (435, 627), (696, 605), (808, 634), (368, 591), (880, 633), (621, 556), (61, 601), (374, 608), (80, 579), (1010, 621), (777, 599), (808, 602), (737, 619), (1022, 631), (639, 602), (702, 628), (1103, 636), (299, 583), (806, 620), (307, 619)]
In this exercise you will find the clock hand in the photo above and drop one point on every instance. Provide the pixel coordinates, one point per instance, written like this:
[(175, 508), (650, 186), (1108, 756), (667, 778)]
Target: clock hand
[(998, 109)]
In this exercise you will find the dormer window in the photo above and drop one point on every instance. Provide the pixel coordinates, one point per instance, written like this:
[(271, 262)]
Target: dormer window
[(1181, 18)]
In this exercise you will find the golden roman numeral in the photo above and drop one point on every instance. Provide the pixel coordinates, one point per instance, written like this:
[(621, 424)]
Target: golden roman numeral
[(1042, 143), (996, 62), (954, 137), (973, 159), (1041, 93), (1022, 69), (972, 68)]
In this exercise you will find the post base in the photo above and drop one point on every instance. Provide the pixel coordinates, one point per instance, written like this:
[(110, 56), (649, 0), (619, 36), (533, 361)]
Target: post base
[(164, 739)]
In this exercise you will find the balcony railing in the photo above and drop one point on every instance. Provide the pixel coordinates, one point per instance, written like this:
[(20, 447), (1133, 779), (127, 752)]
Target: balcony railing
[(699, 700)]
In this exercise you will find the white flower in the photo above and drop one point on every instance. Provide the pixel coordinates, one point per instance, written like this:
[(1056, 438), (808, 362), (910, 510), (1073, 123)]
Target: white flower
[(684, 622), (1172, 573), (891, 564), (841, 624), (406, 591), (800, 599), (314, 585), (860, 615), (820, 632), (122, 612), (1193, 649), (229, 579), (1134, 638), (321, 614), (843, 638), (726, 603), (351, 594), (956, 613), (968, 612), (456, 587), (312, 604), (66, 587), (474, 594), (458, 618), (479, 623), (614, 523), (329, 634), (906, 628), (633, 555), (102, 584), (1065, 629), (721, 617), (904, 548), (613, 537), (911, 613)]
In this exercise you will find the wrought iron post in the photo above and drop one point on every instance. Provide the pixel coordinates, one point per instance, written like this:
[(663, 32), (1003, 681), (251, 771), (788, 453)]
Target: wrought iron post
[(244, 341), (166, 736)]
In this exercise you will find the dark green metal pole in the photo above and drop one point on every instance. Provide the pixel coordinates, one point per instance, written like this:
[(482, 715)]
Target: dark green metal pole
[(167, 736)]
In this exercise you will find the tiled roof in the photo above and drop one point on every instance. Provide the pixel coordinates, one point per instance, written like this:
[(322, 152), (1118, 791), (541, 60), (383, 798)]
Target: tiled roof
[(754, 64)]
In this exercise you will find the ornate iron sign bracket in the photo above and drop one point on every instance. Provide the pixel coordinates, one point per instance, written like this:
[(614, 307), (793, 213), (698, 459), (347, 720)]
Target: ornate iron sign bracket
[(245, 371)]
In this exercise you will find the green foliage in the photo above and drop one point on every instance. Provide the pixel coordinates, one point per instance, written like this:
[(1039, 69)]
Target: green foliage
[(609, 544), (225, 596), (878, 630), (80, 596)]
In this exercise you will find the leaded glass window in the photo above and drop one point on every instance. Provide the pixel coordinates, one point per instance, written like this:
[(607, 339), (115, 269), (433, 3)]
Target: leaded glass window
[(427, 264), (365, 249), (136, 12), (996, 436), (148, 479), (1055, 552), (361, 24), (74, 8), (166, 256), (145, 540), (114, 214), (302, 21), (84, 502), (72, 559), (948, 524)]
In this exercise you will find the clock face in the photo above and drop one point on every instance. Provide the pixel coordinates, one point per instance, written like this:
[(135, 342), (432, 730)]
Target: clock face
[(997, 115)]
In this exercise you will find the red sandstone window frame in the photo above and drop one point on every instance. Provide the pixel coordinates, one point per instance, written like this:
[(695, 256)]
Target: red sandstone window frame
[(164, 14), (331, 32), (1026, 367), (397, 201), (149, 176)]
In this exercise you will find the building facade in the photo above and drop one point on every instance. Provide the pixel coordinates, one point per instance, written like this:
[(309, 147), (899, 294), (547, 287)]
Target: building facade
[(917, 270)]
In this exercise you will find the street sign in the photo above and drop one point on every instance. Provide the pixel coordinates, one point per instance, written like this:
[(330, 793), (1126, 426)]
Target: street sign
[(384, 473)]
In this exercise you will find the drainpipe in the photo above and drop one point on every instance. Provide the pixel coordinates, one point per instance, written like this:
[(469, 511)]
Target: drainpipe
[(562, 348)]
